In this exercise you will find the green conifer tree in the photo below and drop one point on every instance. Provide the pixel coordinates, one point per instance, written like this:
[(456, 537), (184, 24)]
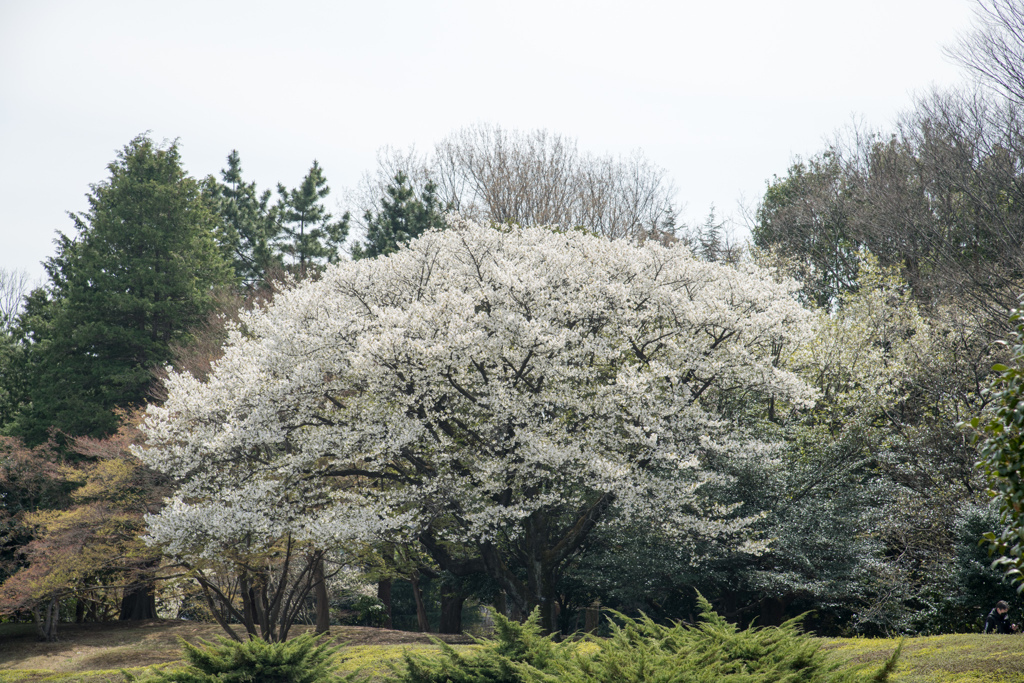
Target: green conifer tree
[(139, 274), (248, 224), (307, 235), (402, 217)]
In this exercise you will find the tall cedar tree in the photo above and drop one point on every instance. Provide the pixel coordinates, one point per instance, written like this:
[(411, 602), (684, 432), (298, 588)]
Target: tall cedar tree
[(248, 224), (402, 217), (307, 235), (138, 275)]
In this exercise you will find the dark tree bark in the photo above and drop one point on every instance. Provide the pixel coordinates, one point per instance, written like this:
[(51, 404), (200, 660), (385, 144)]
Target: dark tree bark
[(452, 600), (139, 602), (421, 610), (384, 595), (593, 617), (270, 598), (248, 595), (542, 552), (46, 616), (773, 611), (323, 606)]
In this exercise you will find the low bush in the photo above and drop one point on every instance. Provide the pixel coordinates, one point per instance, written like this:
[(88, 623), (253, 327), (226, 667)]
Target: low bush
[(300, 660), (368, 610), (641, 651), (517, 653)]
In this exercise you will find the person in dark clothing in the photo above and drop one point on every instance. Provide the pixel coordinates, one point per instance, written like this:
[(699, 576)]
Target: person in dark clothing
[(997, 621)]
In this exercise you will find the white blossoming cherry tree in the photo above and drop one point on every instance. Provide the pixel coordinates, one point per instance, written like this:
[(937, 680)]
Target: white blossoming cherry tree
[(501, 389)]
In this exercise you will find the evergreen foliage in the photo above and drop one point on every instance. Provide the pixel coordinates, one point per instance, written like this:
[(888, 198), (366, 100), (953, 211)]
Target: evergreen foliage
[(308, 236), (138, 275), (13, 369), (518, 653), (248, 224), (642, 651), (1001, 433), (968, 586), (803, 217), (402, 217), (300, 660)]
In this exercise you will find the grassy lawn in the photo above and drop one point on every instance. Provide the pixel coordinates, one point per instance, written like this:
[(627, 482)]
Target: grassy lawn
[(95, 653), (964, 658)]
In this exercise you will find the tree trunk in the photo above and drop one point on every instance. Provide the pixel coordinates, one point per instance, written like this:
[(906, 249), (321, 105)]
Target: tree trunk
[(541, 570), (46, 616), (215, 609), (773, 611), (451, 610), (421, 610), (542, 589), (248, 596), (516, 611), (593, 617), (260, 608), (139, 602), (384, 595), (323, 605), (544, 551)]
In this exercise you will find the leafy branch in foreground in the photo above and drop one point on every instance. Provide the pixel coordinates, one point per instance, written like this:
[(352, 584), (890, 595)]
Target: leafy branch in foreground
[(1001, 436)]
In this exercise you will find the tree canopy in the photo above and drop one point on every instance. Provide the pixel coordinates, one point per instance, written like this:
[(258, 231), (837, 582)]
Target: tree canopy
[(497, 388), (536, 177)]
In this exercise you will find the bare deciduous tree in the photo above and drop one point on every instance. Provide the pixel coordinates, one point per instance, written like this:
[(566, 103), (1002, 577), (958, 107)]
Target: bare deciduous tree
[(14, 285), (942, 197), (486, 173), (390, 162), (994, 51)]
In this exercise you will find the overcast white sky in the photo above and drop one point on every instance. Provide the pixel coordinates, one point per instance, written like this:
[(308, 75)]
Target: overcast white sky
[(721, 94)]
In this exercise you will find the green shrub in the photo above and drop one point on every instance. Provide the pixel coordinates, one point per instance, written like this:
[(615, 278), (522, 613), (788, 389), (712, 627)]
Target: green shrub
[(641, 651), (299, 660), (367, 610), (517, 651)]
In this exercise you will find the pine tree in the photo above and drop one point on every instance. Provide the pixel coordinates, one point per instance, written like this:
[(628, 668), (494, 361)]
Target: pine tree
[(402, 217), (307, 235), (138, 275), (248, 224)]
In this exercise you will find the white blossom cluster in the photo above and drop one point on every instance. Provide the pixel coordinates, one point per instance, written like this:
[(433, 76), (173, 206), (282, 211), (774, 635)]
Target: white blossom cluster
[(470, 380)]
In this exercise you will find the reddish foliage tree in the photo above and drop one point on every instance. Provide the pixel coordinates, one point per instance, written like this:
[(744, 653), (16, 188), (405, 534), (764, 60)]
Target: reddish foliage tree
[(89, 547)]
